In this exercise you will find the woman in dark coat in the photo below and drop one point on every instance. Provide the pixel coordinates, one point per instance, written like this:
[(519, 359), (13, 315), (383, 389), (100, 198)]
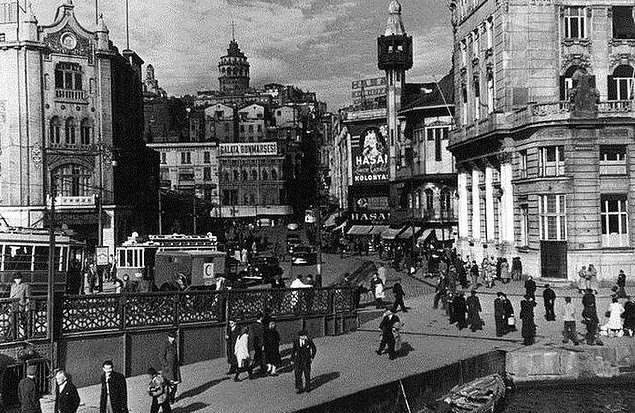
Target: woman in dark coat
[(517, 269), (629, 317), (473, 304), (460, 310), (528, 330), (231, 336), (272, 348), (509, 313)]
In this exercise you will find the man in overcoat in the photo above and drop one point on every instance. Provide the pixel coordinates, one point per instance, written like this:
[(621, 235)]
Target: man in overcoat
[(170, 368), (387, 335), (114, 390), (302, 355), (27, 392), (66, 396)]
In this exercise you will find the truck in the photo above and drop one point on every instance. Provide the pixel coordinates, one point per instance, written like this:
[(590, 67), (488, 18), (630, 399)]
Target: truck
[(188, 269)]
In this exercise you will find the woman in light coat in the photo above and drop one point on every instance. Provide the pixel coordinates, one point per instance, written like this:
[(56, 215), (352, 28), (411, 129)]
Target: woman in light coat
[(241, 351), (615, 317)]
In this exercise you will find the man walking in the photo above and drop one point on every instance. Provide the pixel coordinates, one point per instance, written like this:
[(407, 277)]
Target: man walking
[(499, 314), (257, 334), (170, 366), (530, 287), (549, 297), (230, 337), (621, 284), (474, 320), (66, 396), (590, 317), (440, 291), (27, 392), (460, 310), (387, 335), (114, 391), (302, 355), (528, 330), (399, 293), (568, 315)]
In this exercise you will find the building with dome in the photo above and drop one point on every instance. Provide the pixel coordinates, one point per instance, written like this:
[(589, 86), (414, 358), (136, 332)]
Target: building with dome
[(233, 70), (71, 127)]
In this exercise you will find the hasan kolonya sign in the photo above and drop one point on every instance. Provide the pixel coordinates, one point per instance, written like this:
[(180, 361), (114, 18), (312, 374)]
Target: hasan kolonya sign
[(370, 156)]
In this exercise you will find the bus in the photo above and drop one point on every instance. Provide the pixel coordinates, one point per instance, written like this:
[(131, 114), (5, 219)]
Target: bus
[(26, 251), (136, 257)]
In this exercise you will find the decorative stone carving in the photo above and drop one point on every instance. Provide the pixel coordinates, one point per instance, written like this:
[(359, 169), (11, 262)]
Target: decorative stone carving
[(68, 42), (36, 155), (582, 59), (584, 98)]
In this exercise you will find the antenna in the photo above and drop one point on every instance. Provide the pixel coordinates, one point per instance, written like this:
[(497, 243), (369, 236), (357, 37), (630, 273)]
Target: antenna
[(127, 28), (233, 31)]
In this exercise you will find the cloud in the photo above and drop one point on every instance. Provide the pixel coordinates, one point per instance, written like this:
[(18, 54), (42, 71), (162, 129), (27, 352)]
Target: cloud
[(318, 44)]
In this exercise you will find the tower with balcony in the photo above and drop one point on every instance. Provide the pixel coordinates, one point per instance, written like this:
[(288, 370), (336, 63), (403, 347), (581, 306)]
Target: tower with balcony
[(394, 56), (544, 138), (233, 70)]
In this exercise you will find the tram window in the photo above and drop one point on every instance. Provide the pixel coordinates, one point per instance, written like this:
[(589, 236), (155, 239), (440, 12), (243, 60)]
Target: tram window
[(122, 258), (139, 258), (58, 260), (41, 259), (129, 258), (17, 257), (64, 259)]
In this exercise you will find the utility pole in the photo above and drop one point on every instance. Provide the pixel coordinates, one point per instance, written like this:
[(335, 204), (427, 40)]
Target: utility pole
[(50, 297), (100, 223), (194, 213), (160, 215), (318, 278)]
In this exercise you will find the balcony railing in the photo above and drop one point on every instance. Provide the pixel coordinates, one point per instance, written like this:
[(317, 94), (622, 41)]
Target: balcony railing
[(613, 167), (63, 146), (70, 95)]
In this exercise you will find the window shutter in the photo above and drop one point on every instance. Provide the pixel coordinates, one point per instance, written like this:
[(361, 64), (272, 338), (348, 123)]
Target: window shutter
[(612, 88), (563, 88)]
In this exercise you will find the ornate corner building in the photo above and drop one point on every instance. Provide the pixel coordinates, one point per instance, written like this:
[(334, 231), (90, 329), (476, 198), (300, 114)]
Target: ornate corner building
[(544, 143), (71, 125)]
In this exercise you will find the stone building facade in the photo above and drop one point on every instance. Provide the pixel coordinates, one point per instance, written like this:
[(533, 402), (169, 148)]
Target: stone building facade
[(71, 123), (544, 143)]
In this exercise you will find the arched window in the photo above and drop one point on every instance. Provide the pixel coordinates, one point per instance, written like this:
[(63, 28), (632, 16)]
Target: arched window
[(274, 174), (236, 175), (243, 175), (70, 131), (569, 81), (620, 83), (86, 132), (72, 180), (254, 175), (264, 175), (446, 200), (429, 199), (54, 130)]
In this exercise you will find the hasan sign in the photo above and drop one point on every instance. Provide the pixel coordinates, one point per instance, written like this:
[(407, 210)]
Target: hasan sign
[(248, 149), (370, 156)]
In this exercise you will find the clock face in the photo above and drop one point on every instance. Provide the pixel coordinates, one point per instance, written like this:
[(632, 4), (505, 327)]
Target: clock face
[(69, 41)]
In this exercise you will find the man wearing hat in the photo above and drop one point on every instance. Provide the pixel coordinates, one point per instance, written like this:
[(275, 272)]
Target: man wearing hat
[(387, 335), (170, 365), (114, 390), (66, 396), (303, 353), (27, 392), (528, 330), (20, 291)]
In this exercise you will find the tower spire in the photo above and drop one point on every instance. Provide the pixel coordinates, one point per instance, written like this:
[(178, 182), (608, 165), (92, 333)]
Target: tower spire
[(233, 31)]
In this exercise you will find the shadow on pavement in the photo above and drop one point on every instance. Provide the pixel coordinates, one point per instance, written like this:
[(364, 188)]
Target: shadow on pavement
[(200, 389), (322, 379), (405, 349), (191, 408)]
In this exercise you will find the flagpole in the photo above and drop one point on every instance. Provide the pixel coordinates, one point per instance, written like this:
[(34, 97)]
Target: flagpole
[(96, 12)]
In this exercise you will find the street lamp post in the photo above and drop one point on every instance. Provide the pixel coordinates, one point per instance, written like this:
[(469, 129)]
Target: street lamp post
[(51, 271)]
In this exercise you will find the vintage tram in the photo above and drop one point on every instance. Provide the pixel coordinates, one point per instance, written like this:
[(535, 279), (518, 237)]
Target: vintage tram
[(136, 257), (26, 251)]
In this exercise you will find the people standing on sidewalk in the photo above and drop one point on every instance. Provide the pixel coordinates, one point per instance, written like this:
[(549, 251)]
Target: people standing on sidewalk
[(505, 275), (509, 314), (499, 314), (232, 335), (460, 310), (387, 334), (583, 279), (517, 269), (549, 297), (593, 278), (377, 287), (474, 309), (568, 315), (170, 367), (303, 353), (28, 393), (243, 354), (272, 348), (66, 396), (257, 334), (590, 318), (474, 273), (614, 313), (530, 287), (528, 330), (158, 389), (399, 293), (629, 317), (114, 390), (441, 291), (621, 284)]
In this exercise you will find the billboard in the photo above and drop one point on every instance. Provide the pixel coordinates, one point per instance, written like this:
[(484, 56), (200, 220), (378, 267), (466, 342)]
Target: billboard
[(369, 153), (248, 149)]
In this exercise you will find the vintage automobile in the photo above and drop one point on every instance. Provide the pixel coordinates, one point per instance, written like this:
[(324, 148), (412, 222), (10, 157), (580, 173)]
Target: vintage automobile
[(304, 255), (293, 241)]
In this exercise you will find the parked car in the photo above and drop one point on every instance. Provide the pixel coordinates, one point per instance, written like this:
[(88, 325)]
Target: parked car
[(304, 255), (293, 241), (268, 267)]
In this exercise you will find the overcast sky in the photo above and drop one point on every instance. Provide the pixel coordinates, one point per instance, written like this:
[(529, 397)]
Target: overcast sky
[(318, 45)]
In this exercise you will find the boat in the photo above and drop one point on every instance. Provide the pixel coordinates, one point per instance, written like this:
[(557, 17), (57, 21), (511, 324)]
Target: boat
[(478, 396)]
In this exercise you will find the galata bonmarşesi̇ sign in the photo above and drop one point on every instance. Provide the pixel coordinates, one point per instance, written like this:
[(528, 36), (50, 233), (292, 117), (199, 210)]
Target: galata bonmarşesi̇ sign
[(370, 156), (248, 149)]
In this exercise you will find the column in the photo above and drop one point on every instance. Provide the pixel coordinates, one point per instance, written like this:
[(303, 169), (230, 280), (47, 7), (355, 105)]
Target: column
[(489, 204), (507, 202), (476, 206), (463, 218)]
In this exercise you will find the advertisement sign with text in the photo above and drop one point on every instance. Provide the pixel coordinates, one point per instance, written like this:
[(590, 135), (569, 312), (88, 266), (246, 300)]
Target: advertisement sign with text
[(370, 155), (248, 149)]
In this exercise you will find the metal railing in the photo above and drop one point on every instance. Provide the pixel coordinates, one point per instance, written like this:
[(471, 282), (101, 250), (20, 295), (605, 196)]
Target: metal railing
[(72, 95), (21, 323)]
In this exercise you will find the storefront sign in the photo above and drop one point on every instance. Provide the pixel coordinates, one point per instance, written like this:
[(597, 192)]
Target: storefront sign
[(248, 149), (375, 217), (370, 156), (372, 203)]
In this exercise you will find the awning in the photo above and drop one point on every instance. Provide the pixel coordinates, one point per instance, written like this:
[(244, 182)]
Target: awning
[(378, 229), (424, 236), (390, 233), (408, 232), (340, 227), (359, 230), (330, 221)]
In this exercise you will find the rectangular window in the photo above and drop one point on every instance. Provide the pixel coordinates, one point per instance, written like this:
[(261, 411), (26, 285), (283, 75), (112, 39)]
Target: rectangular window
[(207, 173), (574, 23), (614, 218), (186, 158), (623, 22), (475, 44), (490, 95), (524, 225), (2, 37), (436, 135), (489, 34), (463, 53), (553, 217), (522, 164), (552, 161), (206, 157), (164, 157)]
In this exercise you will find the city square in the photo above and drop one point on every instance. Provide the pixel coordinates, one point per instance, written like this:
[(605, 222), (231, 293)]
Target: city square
[(320, 206)]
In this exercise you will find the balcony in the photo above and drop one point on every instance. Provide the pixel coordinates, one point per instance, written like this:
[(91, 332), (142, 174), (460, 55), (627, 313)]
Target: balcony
[(75, 147), (613, 167), (70, 95)]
